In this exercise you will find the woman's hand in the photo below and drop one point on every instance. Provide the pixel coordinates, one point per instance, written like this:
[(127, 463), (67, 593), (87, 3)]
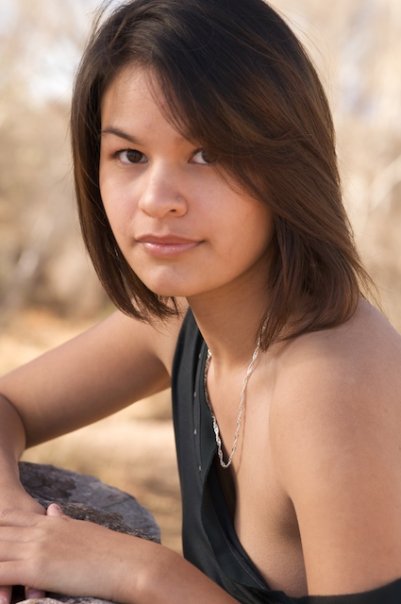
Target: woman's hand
[(17, 499), (78, 558), (56, 553)]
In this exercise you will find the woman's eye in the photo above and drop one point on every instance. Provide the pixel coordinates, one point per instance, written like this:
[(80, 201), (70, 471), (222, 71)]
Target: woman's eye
[(203, 157), (131, 156)]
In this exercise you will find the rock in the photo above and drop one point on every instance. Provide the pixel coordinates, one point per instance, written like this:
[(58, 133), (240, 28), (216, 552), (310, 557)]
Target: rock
[(57, 599), (85, 498)]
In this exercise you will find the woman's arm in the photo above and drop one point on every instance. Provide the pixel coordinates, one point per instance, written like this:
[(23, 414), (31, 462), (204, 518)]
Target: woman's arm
[(57, 553), (12, 494), (339, 455), (118, 361), (111, 365)]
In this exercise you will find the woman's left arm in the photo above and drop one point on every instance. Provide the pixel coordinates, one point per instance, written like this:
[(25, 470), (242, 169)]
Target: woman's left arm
[(78, 558), (339, 458)]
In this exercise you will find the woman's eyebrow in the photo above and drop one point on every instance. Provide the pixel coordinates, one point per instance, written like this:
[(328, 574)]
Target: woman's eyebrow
[(120, 134)]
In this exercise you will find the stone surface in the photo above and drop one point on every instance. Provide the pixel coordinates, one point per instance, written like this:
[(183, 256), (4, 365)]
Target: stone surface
[(85, 498)]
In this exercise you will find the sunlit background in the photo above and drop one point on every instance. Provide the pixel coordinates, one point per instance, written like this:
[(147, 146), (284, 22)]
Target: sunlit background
[(48, 291)]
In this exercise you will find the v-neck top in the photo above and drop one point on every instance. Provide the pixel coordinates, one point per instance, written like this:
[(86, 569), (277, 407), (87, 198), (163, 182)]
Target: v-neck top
[(209, 538)]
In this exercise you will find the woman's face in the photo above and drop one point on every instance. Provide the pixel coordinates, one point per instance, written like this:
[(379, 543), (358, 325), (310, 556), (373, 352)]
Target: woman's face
[(184, 228)]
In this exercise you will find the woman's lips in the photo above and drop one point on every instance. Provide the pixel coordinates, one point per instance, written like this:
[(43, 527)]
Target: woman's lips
[(166, 246)]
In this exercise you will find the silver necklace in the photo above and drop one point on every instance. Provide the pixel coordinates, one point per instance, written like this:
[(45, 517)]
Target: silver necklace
[(241, 407)]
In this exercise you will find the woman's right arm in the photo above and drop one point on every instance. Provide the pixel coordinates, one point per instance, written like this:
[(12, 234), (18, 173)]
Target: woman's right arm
[(117, 362)]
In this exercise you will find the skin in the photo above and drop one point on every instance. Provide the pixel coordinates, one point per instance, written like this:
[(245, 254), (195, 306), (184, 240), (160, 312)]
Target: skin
[(319, 456), (156, 184)]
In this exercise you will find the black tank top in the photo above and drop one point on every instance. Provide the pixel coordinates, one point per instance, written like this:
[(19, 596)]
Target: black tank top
[(209, 538)]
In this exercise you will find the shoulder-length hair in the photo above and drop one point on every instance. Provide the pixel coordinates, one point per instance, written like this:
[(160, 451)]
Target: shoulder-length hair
[(238, 81)]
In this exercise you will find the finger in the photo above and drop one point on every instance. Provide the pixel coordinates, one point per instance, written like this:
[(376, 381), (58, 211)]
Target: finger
[(54, 510), (5, 595), (34, 594)]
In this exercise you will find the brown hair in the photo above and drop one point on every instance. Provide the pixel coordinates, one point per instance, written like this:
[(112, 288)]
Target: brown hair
[(242, 86)]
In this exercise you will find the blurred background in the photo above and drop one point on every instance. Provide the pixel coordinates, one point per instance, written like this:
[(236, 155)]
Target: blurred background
[(48, 291)]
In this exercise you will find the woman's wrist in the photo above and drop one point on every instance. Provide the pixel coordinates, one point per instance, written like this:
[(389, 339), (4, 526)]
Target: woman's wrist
[(160, 575), (139, 570)]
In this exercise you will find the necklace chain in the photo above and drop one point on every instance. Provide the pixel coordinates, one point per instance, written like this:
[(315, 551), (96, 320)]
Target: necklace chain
[(241, 407)]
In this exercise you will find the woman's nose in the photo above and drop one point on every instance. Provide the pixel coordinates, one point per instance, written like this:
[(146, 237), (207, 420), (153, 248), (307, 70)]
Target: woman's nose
[(161, 193)]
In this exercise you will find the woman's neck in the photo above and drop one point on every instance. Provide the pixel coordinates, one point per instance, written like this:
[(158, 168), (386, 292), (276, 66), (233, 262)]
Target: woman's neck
[(230, 324)]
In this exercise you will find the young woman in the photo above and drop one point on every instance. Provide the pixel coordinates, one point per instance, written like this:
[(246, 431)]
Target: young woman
[(210, 204)]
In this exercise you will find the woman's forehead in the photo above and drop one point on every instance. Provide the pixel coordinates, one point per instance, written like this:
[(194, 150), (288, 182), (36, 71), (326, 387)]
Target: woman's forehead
[(134, 106), (137, 91)]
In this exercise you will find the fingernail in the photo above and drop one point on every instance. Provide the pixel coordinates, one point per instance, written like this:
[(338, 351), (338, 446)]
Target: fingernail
[(33, 594)]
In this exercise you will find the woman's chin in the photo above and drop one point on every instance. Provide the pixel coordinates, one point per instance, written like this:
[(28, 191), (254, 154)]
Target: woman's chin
[(167, 290)]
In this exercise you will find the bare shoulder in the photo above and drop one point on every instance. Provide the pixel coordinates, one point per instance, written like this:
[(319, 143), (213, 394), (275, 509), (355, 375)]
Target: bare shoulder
[(336, 441), (353, 367), (340, 385)]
